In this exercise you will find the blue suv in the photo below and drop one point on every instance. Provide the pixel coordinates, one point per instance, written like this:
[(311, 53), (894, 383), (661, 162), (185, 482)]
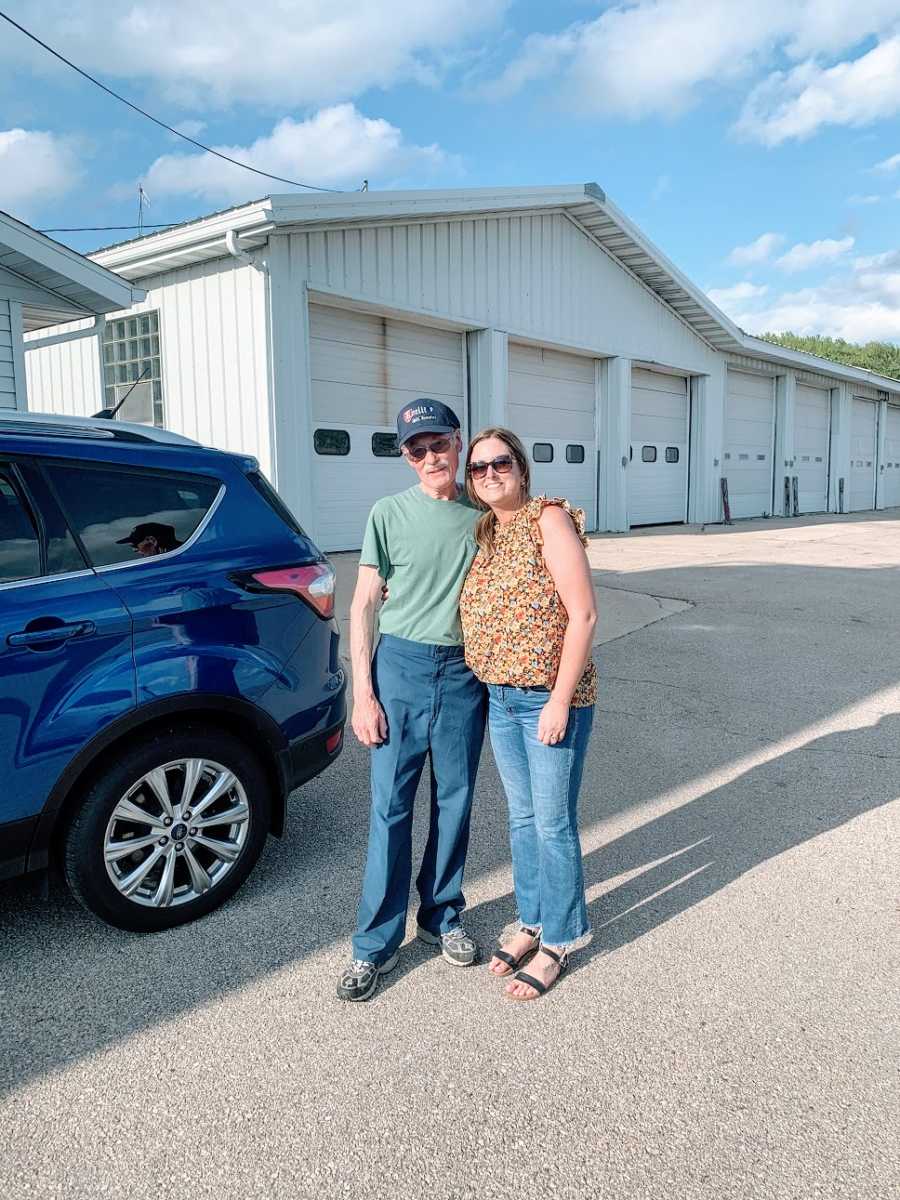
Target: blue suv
[(169, 665)]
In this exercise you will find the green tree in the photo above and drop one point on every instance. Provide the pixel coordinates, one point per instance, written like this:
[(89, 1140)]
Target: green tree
[(881, 357)]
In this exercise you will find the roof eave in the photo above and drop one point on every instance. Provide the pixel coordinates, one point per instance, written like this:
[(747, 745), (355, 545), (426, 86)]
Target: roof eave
[(100, 290)]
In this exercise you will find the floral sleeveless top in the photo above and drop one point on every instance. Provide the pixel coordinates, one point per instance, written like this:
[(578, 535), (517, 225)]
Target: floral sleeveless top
[(513, 621)]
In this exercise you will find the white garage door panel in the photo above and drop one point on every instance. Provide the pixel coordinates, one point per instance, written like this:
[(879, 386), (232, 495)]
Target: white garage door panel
[(552, 401), (363, 369), (812, 426), (657, 491), (863, 448), (748, 456), (892, 458)]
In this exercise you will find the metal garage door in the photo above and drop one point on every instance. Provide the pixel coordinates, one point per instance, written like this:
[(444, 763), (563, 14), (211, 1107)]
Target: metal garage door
[(812, 427), (748, 456), (892, 458), (363, 369), (863, 452), (551, 408), (658, 470)]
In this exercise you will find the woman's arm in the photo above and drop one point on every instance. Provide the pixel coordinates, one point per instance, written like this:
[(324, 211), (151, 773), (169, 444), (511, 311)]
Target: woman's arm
[(568, 566)]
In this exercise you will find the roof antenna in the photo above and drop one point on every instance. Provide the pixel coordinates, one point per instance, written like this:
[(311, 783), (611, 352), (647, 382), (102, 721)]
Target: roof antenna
[(365, 186), (143, 199), (109, 413)]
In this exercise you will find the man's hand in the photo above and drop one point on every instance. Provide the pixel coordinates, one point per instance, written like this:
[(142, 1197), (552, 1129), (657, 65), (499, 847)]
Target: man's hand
[(368, 721)]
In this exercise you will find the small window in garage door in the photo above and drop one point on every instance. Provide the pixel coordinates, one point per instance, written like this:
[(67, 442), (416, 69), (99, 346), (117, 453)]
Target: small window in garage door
[(648, 454), (384, 445), (672, 454), (575, 454), (542, 452), (331, 441)]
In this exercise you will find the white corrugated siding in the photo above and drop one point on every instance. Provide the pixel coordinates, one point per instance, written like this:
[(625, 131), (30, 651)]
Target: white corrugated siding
[(7, 363), (552, 401), (214, 358), (534, 275), (65, 377)]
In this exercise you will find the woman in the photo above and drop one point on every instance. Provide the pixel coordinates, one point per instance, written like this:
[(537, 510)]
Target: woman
[(528, 615)]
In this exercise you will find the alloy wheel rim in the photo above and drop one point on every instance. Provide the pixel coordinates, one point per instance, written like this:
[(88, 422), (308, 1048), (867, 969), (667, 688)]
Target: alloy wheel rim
[(176, 833)]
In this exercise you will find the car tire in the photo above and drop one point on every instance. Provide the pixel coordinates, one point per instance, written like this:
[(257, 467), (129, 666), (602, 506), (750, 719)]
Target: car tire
[(191, 872)]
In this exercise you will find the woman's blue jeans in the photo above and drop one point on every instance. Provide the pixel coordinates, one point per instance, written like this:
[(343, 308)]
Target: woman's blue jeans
[(541, 784)]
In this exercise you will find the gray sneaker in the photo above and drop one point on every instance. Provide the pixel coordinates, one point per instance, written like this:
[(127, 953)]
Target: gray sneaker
[(457, 946), (359, 979)]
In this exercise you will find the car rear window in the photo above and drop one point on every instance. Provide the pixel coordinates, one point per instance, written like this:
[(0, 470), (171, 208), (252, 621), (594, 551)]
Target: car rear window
[(123, 515), (274, 501)]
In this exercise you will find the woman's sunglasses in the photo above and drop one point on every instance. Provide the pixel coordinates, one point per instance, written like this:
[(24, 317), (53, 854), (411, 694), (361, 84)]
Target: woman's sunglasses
[(438, 446), (502, 464)]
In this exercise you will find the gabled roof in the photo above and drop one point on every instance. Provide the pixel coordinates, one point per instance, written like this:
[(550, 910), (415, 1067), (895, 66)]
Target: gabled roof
[(56, 283), (586, 204)]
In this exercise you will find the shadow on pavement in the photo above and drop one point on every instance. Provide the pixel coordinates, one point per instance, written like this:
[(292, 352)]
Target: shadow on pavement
[(680, 700)]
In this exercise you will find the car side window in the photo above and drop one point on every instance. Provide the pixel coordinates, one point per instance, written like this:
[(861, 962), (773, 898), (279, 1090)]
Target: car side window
[(20, 547), (122, 515)]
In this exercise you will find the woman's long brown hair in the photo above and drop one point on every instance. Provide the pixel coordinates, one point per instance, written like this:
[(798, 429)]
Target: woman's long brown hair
[(487, 522)]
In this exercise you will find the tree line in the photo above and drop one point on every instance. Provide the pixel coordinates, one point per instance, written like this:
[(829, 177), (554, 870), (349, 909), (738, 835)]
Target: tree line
[(881, 357)]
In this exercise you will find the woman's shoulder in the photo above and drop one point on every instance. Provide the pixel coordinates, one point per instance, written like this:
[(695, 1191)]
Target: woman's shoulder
[(555, 512)]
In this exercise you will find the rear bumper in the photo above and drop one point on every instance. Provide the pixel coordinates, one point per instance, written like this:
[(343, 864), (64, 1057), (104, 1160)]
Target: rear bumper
[(308, 757), (15, 842)]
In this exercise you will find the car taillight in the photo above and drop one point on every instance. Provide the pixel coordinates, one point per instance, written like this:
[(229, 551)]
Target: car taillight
[(332, 743), (314, 583)]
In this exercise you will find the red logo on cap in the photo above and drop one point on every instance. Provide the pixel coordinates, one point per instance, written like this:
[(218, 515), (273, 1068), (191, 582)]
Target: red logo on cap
[(408, 416)]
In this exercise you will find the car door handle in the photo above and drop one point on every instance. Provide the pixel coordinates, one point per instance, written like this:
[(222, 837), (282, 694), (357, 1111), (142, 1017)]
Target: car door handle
[(58, 633)]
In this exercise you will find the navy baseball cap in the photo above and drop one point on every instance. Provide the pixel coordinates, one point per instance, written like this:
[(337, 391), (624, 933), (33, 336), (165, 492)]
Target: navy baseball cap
[(425, 416)]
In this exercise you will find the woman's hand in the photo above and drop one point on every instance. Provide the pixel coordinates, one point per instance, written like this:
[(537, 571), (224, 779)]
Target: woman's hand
[(553, 721)]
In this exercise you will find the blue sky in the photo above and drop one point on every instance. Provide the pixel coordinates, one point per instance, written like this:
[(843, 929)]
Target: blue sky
[(757, 145)]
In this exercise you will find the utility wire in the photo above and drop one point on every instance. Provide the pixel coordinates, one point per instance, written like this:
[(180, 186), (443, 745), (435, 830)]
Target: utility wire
[(156, 121), (103, 228)]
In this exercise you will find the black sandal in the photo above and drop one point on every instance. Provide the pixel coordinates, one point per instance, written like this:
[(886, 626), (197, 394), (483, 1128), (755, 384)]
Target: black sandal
[(562, 961), (511, 961)]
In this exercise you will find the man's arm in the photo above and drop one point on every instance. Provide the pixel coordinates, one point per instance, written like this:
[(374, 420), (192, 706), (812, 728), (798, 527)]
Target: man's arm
[(368, 719)]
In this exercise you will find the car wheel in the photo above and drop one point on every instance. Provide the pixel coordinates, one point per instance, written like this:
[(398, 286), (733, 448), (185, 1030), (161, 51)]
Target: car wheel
[(169, 831)]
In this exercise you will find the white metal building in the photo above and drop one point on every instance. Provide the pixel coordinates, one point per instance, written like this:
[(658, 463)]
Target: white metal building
[(295, 327), (41, 284)]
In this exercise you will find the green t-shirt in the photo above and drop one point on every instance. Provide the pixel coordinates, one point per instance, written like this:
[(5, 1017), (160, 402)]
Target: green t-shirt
[(424, 548)]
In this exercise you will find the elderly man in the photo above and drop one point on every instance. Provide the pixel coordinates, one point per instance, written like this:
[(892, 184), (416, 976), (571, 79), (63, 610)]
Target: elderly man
[(416, 700)]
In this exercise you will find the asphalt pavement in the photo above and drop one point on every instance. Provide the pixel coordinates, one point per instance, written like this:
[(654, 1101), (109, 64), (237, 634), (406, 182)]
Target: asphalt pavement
[(733, 1030)]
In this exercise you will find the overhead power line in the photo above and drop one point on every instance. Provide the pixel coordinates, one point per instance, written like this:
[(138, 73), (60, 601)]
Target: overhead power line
[(156, 121), (104, 228)]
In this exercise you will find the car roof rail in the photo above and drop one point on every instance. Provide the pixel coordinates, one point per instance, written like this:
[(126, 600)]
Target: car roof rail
[(52, 425)]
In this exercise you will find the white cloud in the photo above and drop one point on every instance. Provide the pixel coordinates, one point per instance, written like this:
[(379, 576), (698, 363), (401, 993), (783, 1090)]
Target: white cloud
[(798, 103), (642, 57), (861, 304), (804, 255), (857, 199), (36, 169), (728, 297), (338, 146), (282, 52), (888, 164), (757, 251), (189, 128)]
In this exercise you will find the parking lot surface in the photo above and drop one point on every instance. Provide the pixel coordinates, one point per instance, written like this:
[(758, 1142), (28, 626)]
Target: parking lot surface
[(732, 1030)]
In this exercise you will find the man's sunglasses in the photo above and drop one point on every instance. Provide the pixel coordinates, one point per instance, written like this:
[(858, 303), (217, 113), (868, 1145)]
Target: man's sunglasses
[(438, 446), (502, 464)]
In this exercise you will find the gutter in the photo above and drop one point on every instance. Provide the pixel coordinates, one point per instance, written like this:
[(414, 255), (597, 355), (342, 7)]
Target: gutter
[(95, 329)]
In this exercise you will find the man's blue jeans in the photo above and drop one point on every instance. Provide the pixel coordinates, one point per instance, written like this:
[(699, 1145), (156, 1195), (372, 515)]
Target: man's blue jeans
[(435, 708), (541, 784)]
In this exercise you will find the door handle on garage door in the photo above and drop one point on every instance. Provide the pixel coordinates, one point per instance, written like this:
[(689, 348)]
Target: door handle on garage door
[(56, 633)]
